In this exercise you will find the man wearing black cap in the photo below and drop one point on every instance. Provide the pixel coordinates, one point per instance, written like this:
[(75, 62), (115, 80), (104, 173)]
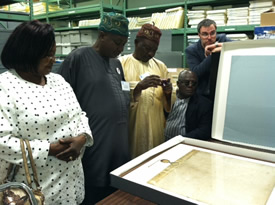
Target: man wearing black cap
[(98, 81), (151, 91)]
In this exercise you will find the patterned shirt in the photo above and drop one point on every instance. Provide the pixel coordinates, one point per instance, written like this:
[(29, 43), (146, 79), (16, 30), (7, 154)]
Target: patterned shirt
[(175, 124), (43, 115)]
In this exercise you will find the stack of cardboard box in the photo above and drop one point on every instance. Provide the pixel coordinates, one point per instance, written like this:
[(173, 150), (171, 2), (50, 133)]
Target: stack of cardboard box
[(267, 28)]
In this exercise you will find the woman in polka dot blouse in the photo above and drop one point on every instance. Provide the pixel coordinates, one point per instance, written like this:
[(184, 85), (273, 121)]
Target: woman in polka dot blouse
[(40, 106)]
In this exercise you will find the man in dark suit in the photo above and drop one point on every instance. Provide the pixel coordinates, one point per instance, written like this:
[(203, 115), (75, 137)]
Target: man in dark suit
[(198, 55), (191, 114)]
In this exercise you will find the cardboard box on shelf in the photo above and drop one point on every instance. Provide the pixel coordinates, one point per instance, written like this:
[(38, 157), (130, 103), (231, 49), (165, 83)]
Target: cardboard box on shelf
[(58, 37), (88, 36), (66, 49), (60, 24), (65, 37), (58, 50), (74, 36), (268, 18)]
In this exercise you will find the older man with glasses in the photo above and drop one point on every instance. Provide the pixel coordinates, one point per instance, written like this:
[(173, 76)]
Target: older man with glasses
[(198, 55), (191, 114)]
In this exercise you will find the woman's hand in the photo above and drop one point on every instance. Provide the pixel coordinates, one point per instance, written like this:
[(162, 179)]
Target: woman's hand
[(72, 147), (56, 148)]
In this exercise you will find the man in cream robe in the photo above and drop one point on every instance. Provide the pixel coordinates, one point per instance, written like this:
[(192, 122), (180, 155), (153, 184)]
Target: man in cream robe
[(150, 91)]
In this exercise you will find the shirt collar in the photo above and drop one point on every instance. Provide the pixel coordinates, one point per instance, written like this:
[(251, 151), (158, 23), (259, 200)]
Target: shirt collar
[(185, 100)]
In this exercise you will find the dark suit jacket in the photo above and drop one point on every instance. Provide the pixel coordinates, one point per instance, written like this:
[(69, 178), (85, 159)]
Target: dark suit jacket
[(198, 63), (199, 118)]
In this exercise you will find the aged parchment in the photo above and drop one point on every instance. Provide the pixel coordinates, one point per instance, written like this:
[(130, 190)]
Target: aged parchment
[(215, 179)]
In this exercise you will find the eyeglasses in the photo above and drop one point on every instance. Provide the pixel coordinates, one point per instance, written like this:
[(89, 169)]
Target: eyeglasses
[(188, 83), (211, 34)]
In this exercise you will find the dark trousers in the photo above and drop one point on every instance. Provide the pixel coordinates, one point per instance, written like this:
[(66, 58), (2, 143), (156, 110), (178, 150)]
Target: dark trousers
[(96, 194)]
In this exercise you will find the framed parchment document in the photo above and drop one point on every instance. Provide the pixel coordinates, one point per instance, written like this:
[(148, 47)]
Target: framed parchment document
[(187, 171), (244, 107), (217, 179)]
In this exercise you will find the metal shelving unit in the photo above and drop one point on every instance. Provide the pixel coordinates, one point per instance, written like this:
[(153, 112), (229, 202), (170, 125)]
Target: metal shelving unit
[(142, 11), (150, 9), (65, 15), (7, 2), (93, 10), (221, 29), (214, 2), (15, 16), (73, 13), (187, 4), (76, 28)]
